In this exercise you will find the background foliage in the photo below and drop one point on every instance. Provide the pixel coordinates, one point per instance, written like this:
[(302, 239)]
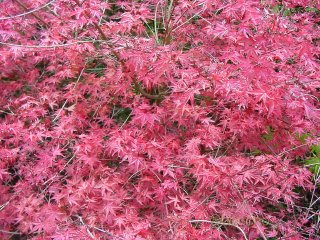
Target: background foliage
[(159, 119)]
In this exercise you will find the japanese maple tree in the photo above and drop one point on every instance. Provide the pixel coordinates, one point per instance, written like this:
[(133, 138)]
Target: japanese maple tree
[(159, 119)]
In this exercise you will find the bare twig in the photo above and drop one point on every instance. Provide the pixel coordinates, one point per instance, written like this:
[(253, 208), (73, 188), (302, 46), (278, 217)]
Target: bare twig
[(174, 166), (291, 149), (312, 201), (7, 202), (96, 228), (145, 94), (32, 13), (155, 23), (8, 232), (50, 46), (4, 205), (221, 223), (56, 175), (87, 229), (5, 112), (188, 20), (28, 12), (260, 230), (125, 121), (64, 104), (96, 25), (133, 175)]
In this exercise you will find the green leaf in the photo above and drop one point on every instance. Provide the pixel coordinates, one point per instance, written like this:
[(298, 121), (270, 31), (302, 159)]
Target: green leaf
[(313, 164), (316, 150), (121, 115), (256, 152), (287, 12), (269, 135), (311, 9), (302, 137), (277, 8)]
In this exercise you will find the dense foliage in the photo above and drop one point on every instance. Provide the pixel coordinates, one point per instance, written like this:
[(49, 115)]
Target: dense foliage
[(159, 119)]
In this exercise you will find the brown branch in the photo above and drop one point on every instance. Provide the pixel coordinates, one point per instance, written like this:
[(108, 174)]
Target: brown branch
[(221, 223), (32, 13), (103, 36), (96, 25), (28, 12), (145, 94)]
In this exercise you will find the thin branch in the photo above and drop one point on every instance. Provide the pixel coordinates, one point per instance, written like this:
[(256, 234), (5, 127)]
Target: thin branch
[(8, 232), (260, 230), (5, 112), (169, 13), (133, 175), (170, 9), (312, 202), (29, 12), (102, 34), (7, 202), (197, 14), (202, 202), (104, 231), (125, 121), (96, 228), (50, 46), (32, 13), (87, 228), (56, 175), (64, 104), (221, 223), (155, 23), (174, 166), (145, 94), (291, 149)]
